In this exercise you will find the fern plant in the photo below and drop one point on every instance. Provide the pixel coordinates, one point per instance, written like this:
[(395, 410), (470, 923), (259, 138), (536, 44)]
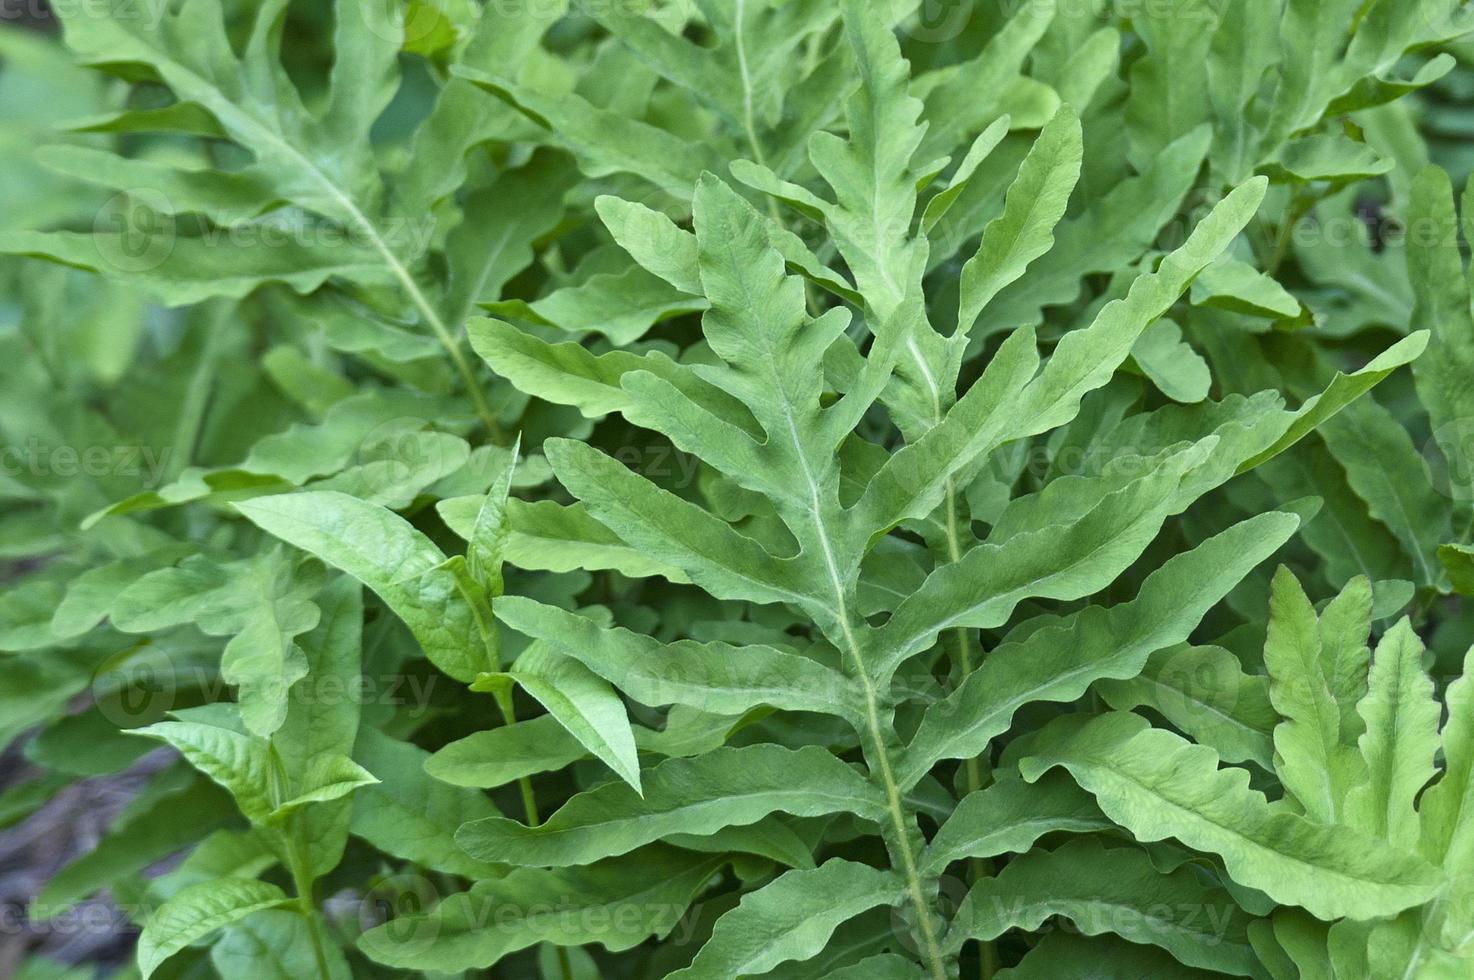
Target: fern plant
[(1357, 746), (817, 501), (1351, 735), (828, 559)]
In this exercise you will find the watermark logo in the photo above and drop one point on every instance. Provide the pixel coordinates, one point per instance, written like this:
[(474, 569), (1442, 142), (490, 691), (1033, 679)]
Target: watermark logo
[(938, 21), (35, 458), (1449, 455), (400, 904), (398, 449), (148, 13), (134, 232), (402, 23), (1201, 688), (948, 898), (136, 687)]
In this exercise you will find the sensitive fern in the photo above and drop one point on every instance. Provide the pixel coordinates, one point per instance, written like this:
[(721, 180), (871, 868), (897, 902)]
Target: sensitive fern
[(812, 534), (772, 488)]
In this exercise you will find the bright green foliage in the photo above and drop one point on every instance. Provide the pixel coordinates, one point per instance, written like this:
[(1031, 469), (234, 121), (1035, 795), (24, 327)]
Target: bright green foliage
[(1386, 761), (740, 488), (199, 910)]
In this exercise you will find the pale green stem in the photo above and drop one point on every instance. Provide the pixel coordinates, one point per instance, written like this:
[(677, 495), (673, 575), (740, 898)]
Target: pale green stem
[(417, 298), (524, 783), (1300, 206), (450, 342), (987, 953), (880, 764), (302, 882), (880, 768), (749, 119)]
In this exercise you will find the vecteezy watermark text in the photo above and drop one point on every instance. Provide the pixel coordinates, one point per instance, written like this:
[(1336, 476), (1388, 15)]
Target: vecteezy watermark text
[(38, 459)]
